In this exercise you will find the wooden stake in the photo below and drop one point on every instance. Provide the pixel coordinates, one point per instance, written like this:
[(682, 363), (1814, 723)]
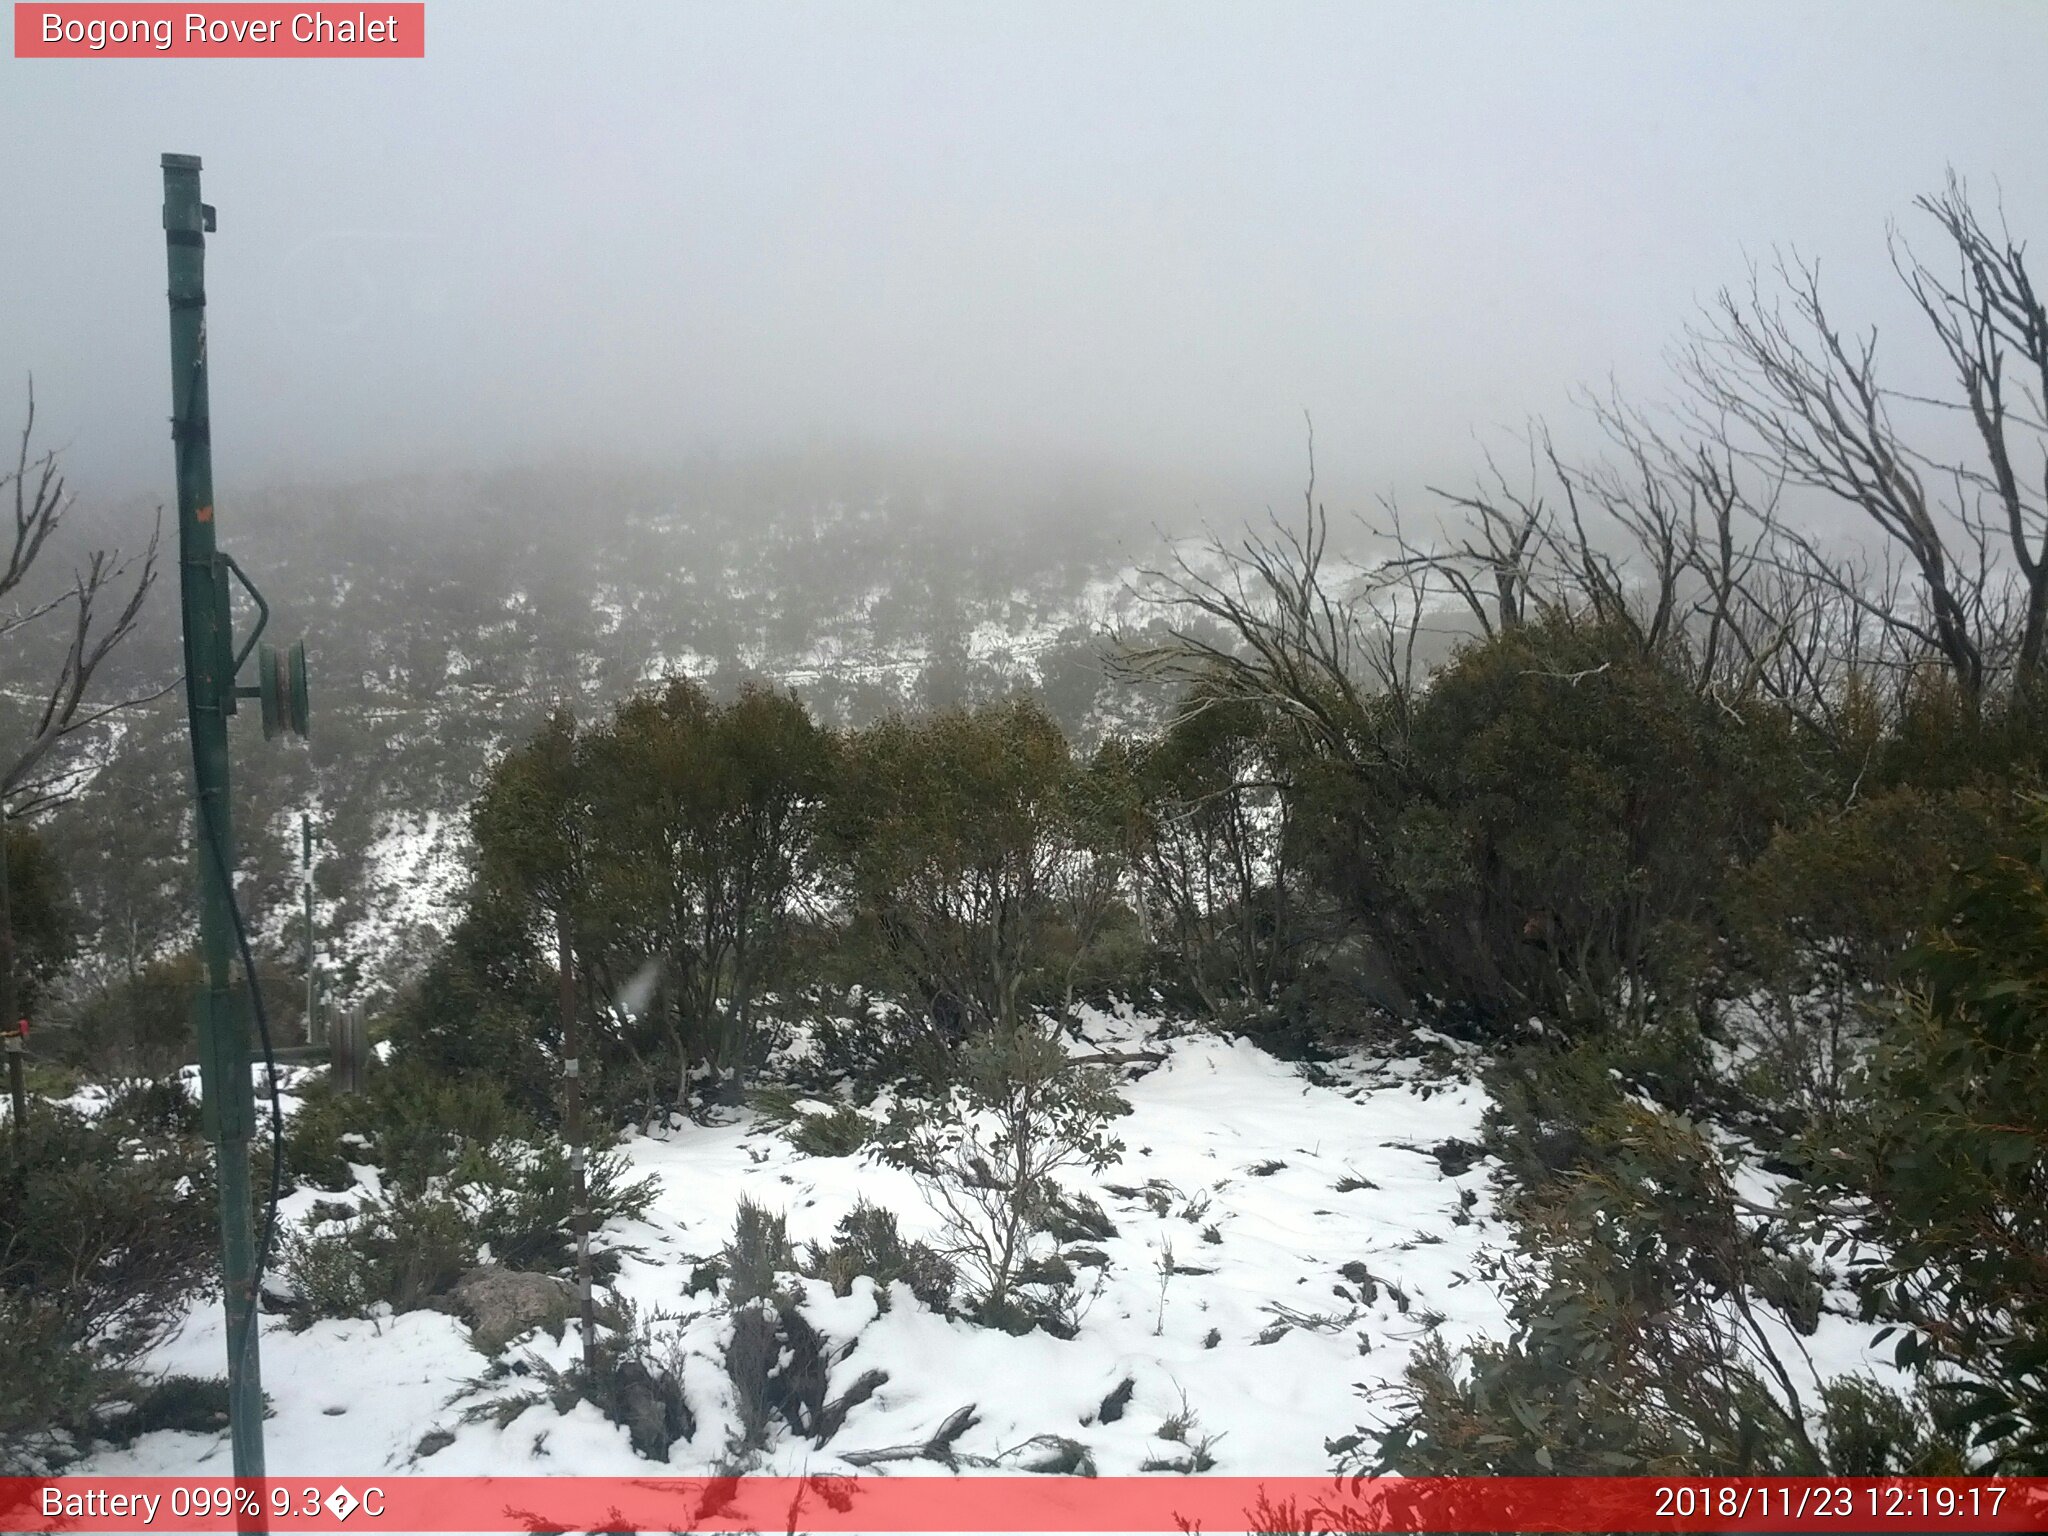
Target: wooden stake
[(572, 1122)]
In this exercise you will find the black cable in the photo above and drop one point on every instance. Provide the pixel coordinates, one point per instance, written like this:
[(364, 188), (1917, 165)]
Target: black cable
[(220, 865)]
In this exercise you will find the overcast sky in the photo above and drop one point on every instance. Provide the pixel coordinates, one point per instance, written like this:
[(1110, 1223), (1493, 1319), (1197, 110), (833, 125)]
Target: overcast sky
[(1147, 232)]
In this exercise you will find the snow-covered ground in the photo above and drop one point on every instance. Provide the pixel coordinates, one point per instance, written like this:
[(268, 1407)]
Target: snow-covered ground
[(1247, 1332), (1251, 1335)]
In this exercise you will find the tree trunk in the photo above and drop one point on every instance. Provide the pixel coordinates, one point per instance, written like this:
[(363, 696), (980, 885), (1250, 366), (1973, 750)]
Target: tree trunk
[(10, 992)]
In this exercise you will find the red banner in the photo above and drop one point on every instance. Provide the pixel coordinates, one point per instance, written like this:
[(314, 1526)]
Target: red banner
[(1003, 1504), (243, 31)]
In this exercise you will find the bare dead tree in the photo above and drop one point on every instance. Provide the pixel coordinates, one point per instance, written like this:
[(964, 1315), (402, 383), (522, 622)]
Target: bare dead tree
[(1668, 539), (1656, 495), (1993, 326), (1802, 397), (1711, 579), (1501, 548), (1809, 403), (1272, 626), (1676, 533), (99, 609)]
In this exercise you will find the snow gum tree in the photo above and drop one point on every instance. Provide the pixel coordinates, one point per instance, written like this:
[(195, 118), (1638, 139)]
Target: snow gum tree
[(948, 837), (674, 839), (1218, 877), (702, 821)]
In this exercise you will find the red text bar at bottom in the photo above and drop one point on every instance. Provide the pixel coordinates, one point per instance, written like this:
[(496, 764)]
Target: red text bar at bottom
[(1207, 1504)]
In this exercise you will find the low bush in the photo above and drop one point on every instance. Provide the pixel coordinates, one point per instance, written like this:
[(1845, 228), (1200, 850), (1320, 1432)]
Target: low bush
[(639, 1381), (412, 1241), (105, 1235), (1944, 1159), (416, 1127), (1871, 1431), (421, 1125), (192, 1404), (400, 1250), (866, 1242), (989, 1163), (1824, 920), (839, 1132), (324, 1136), (881, 1047), (155, 1107), (518, 1196), (777, 1362), (757, 1256), (1647, 1308), (54, 1384)]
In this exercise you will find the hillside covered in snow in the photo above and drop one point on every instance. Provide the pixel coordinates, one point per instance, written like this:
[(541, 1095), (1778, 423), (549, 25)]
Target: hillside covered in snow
[(1268, 1251)]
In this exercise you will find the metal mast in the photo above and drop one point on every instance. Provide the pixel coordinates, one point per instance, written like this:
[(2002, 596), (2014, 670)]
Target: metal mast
[(211, 662), (209, 695)]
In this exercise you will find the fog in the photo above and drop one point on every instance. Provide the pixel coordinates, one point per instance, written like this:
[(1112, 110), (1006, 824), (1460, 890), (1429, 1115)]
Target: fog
[(1144, 235)]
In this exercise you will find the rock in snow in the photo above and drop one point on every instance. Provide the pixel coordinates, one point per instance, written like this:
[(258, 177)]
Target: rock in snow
[(500, 1304)]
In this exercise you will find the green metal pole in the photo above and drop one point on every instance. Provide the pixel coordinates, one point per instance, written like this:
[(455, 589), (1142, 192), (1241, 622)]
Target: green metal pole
[(312, 976), (228, 1101)]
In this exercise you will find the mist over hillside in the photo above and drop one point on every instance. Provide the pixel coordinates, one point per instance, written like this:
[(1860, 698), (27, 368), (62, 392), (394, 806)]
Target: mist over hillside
[(446, 616)]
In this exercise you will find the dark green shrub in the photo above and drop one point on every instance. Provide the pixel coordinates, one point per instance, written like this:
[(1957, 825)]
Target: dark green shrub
[(1942, 741), (486, 1010), (1545, 1103), (1944, 1160), (401, 1250), (1621, 1361), (421, 1124), (156, 1108), (1549, 829), (1857, 889), (137, 1026), (196, 1405), (518, 1196), (1825, 917), (413, 1124), (104, 1236), (54, 1386), (415, 1239), (1645, 1304), (883, 1046), (1073, 1218), (777, 1362), (758, 1255), (1870, 1431), (323, 1137), (837, 1133), (944, 833), (41, 916), (866, 1242), (673, 838)]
